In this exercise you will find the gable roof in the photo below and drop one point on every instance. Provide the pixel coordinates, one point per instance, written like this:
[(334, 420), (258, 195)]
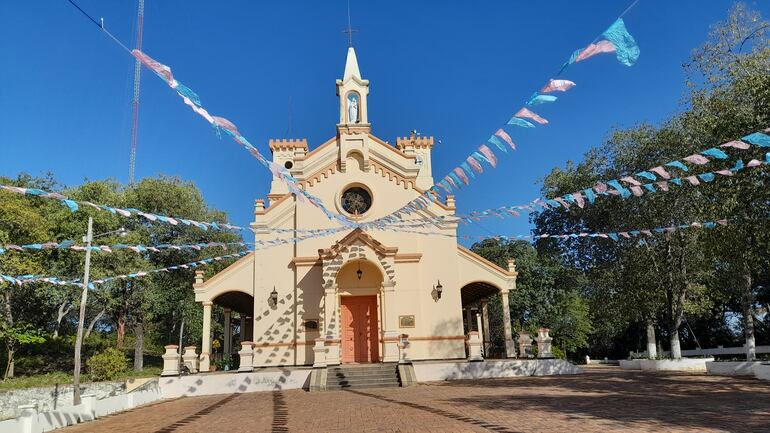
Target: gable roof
[(350, 239)]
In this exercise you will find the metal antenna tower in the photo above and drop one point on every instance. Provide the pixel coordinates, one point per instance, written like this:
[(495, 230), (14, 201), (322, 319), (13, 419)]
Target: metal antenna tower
[(135, 103)]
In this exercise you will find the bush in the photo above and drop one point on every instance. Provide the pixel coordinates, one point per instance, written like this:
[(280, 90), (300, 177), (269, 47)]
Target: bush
[(557, 352), (107, 365)]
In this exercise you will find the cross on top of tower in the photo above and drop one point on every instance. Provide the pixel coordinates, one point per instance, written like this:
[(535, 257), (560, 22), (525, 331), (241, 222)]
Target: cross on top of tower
[(349, 31)]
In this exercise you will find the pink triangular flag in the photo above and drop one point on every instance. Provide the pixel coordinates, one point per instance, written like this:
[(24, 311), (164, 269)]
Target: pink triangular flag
[(562, 202), (489, 154), (579, 199), (736, 144), (594, 49), (557, 85), (524, 112), (631, 180), (507, 138), (696, 159), (660, 171), (461, 174), (474, 164)]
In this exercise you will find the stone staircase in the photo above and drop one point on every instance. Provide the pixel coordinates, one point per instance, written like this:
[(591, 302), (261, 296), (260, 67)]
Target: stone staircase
[(362, 376)]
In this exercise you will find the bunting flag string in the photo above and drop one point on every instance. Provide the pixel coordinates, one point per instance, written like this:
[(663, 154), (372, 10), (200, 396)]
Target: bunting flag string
[(617, 39), (74, 205), (70, 245), (659, 176), (28, 279), (60, 281), (192, 100), (615, 236)]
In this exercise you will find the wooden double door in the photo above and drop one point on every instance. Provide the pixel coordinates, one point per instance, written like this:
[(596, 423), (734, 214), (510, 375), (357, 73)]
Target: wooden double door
[(360, 342)]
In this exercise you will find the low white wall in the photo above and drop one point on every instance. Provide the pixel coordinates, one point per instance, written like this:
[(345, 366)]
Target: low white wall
[(232, 382), (631, 364), (53, 397), (732, 368), (719, 350), (90, 408), (684, 364), (437, 371), (762, 371)]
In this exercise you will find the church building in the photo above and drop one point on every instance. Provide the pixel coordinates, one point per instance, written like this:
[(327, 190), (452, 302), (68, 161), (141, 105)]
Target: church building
[(354, 295)]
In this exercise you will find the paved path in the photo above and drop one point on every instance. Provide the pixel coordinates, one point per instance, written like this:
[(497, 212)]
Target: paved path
[(602, 400)]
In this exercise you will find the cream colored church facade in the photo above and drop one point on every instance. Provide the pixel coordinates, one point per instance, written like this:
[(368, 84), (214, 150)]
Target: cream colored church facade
[(356, 294)]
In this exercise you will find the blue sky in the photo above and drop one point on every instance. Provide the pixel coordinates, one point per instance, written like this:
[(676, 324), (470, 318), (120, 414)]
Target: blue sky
[(454, 70)]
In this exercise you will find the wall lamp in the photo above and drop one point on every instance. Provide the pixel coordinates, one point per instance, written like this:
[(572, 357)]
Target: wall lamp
[(437, 290), (273, 300)]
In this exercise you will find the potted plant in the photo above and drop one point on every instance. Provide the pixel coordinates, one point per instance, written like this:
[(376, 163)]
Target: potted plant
[(215, 345), (225, 363)]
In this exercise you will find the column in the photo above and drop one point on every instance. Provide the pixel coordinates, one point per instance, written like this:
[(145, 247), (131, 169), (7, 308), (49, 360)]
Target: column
[(510, 349), (227, 346), (331, 326), (482, 335), (390, 336), (205, 364), (487, 332), (468, 318)]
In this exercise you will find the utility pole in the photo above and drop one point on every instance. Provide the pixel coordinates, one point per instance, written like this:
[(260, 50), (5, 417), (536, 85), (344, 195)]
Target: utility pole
[(88, 239), (82, 316), (135, 102)]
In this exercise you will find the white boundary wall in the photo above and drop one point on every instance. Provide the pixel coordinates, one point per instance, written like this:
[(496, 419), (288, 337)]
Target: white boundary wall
[(684, 364), (32, 421), (630, 364), (731, 368), (438, 371), (229, 383), (762, 371), (719, 350)]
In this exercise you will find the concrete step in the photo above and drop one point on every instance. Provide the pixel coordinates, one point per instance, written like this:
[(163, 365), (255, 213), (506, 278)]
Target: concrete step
[(338, 380), (365, 367), (358, 385), (362, 381), (363, 376)]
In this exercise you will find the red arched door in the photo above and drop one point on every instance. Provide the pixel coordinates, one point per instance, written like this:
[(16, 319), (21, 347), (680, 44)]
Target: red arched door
[(359, 329)]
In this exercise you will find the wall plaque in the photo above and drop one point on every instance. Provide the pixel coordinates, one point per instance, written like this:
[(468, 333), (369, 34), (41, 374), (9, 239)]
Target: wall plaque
[(406, 321)]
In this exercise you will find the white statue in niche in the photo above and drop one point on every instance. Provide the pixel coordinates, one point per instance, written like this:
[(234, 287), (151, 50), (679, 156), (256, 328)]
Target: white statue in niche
[(353, 108)]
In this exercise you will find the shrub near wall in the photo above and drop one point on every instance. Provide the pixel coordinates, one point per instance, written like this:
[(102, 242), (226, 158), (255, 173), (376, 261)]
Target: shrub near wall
[(107, 365)]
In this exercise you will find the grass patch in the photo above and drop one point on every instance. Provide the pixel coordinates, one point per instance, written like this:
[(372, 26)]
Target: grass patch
[(62, 378)]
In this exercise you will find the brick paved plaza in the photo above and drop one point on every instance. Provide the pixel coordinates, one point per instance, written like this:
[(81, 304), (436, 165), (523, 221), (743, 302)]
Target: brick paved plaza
[(603, 399)]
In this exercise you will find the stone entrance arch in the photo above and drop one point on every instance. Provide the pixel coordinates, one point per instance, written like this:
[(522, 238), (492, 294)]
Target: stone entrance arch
[(475, 297), (359, 287), (339, 266)]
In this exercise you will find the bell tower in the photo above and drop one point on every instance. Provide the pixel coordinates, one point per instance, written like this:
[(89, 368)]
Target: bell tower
[(352, 91), (353, 128)]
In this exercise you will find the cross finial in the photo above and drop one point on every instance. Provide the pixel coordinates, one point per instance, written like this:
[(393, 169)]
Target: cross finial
[(349, 30)]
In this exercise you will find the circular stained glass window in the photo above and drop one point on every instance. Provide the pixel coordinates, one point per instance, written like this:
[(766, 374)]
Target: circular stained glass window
[(356, 200)]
